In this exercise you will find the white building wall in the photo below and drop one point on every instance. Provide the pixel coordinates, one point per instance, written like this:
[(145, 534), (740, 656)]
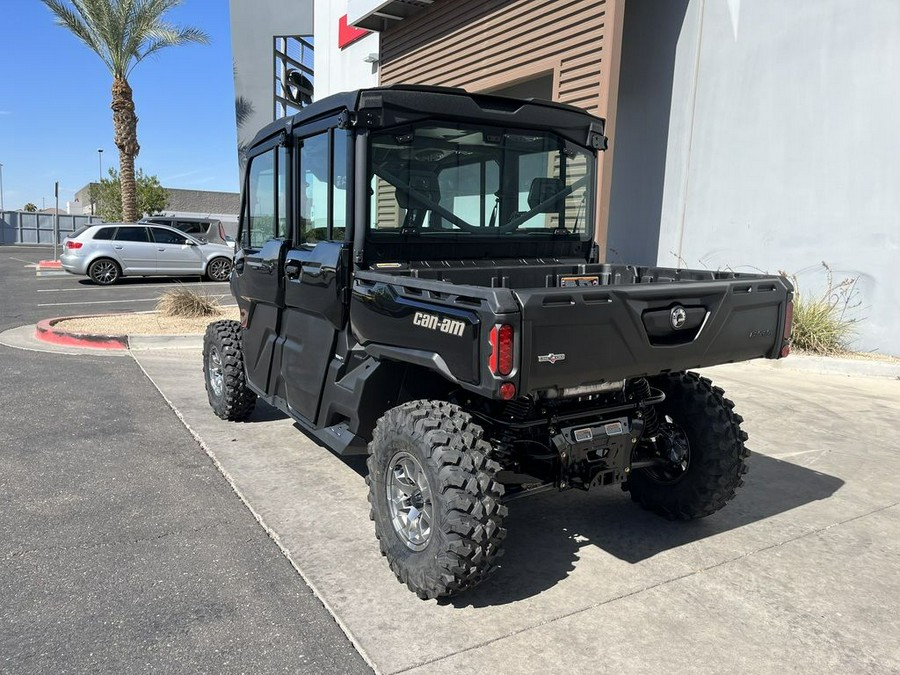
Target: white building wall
[(784, 147), (339, 69)]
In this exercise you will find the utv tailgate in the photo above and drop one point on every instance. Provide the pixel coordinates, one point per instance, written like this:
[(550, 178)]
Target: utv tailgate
[(580, 336)]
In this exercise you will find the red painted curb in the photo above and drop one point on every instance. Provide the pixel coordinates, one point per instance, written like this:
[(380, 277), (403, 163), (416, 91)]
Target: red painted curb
[(49, 265), (47, 332)]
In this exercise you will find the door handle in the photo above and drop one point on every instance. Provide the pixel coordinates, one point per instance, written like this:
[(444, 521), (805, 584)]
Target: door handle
[(118, 248), (264, 267), (292, 269), (160, 249)]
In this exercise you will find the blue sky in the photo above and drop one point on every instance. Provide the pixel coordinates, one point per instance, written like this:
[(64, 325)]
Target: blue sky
[(54, 107)]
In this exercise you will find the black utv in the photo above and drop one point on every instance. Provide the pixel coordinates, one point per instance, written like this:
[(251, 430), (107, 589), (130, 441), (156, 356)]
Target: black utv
[(418, 280)]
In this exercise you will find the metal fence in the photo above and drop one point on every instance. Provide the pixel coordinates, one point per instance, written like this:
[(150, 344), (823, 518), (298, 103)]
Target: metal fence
[(23, 227)]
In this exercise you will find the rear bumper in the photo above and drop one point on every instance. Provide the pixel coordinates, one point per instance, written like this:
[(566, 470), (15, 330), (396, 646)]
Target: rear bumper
[(73, 264)]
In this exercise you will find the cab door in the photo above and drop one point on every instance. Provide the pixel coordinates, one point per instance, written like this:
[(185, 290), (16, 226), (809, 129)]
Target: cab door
[(257, 283), (315, 270)]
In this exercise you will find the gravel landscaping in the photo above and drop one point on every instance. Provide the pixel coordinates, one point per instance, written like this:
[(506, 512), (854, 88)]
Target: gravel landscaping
[(144, 323)]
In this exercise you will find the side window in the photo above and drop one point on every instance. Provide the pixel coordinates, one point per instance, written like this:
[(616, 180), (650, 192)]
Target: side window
[(104, 234), (190, 227), (162, 236), (261, 199), (340, 170), (132, 234), (313, 189)]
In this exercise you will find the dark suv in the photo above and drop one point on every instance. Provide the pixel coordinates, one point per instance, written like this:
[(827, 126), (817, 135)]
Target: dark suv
[(210, 229), (418, 280)]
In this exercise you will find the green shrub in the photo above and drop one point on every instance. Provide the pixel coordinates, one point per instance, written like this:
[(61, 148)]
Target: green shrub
[(187, 303), (821, 323)]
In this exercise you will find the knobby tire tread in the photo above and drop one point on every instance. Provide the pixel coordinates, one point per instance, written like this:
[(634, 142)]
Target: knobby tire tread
[(718, 452), (238, 400), (471, 521)]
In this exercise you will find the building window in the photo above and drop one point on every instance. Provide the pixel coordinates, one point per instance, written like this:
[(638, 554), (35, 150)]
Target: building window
[(293, 74)]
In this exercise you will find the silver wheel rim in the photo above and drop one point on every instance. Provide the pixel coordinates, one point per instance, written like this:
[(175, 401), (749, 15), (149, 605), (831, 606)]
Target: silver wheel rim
[(216, 373), (409, 499), (219, 269), (104, 272)]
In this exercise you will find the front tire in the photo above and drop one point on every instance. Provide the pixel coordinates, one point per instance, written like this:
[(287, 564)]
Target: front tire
[(223, 370), (104, 272), (702, 424), (434, 498)]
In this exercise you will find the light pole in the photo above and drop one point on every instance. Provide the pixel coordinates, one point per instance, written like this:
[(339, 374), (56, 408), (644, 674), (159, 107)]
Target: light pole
[(100, 163), (1, 188)]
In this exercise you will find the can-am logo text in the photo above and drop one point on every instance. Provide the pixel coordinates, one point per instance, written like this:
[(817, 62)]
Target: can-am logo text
[(442, 324)]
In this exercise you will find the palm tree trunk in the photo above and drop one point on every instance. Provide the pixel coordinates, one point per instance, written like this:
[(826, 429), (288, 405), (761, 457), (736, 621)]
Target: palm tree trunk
[(125, 130)]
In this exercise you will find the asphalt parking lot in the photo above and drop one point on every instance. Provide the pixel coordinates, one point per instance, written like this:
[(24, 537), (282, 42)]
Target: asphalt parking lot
[(62, 294), (125, 549), (146, 536)]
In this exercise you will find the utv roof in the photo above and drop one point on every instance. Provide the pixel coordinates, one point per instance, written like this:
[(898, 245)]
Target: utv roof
[(403, 104)]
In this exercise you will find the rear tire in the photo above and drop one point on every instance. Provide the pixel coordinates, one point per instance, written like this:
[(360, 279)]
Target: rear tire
[(223, 372), (434, 499), (218, 269), (716, 453), (104, 271)]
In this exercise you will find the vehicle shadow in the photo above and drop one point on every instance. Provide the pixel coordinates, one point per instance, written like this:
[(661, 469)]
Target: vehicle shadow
[(263, 412), (547, 532), (137, 282)]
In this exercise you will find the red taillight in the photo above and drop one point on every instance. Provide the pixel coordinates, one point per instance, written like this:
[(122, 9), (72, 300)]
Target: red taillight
[(221, 232), (788, 322), (73, 244), (507, 391), (501, 359)]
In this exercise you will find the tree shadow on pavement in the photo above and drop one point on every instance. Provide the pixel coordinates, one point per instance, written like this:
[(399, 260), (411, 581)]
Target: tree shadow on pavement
[(546, 532)]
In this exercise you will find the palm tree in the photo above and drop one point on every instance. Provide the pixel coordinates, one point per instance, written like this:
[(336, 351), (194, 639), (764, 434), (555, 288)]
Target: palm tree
[(123, 33)]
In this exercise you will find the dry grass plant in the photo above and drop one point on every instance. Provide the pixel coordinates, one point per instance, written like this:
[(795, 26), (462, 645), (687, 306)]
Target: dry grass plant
[(184, 302), (823, 323)]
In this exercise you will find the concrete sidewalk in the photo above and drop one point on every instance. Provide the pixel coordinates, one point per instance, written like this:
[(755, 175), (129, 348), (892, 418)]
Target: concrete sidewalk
[(798, 574)]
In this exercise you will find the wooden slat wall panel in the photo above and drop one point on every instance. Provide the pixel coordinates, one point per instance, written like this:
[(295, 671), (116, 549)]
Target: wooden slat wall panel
[(467, 42), (483, 44)]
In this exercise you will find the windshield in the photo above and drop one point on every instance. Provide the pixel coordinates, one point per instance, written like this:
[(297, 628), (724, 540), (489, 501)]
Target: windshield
[(455, 179)]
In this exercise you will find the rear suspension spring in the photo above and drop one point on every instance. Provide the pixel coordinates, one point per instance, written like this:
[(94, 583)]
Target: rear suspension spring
[(641, 389)]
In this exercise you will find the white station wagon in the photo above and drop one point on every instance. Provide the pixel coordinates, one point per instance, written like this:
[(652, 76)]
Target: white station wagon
[(109, 251)]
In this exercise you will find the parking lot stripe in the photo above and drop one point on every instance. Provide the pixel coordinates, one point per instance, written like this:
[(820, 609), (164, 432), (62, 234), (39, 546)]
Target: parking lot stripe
[(94, 290), (95, 302)]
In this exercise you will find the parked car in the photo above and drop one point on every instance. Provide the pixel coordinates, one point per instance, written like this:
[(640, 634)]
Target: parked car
[(109, 251), (209, 229)]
